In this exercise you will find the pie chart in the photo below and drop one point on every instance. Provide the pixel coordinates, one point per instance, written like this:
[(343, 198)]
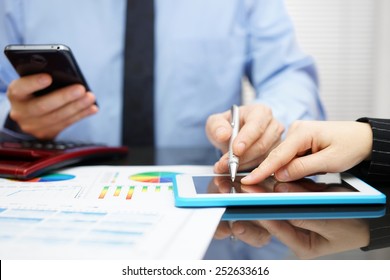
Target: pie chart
[(153, 177), (54, 177)]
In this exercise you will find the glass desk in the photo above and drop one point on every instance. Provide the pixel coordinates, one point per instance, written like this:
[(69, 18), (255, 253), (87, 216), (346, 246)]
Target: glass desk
[(342, 233)]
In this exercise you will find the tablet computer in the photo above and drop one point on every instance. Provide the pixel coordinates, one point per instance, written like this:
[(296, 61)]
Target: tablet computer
[(215, 190)]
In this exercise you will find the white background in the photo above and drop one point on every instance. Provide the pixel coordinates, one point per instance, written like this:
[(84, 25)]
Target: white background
[(350, 42)]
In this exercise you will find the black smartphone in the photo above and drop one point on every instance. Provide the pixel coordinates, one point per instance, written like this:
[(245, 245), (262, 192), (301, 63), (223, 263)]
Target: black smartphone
[(56, 60)]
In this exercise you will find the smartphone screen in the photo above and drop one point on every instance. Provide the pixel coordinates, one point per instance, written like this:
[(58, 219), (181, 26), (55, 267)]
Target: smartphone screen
[(55, 60)]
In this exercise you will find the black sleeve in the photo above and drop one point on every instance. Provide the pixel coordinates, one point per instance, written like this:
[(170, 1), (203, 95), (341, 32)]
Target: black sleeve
[(376, 172), (379, 233), (378, 168), (380, 227)]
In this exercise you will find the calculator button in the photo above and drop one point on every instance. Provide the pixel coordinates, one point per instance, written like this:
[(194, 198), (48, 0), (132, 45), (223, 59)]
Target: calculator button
[(13, 145)]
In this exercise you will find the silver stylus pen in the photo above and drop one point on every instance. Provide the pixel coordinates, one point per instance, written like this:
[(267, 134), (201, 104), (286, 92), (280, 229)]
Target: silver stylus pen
[(233, 159)]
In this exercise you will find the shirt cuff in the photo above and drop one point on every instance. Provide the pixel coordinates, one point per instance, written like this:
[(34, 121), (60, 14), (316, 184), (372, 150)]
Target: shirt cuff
[(380, 156), (12, 128)]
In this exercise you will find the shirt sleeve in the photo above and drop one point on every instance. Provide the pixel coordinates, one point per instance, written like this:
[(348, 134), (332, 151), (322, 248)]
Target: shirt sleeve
[(11, 23), (284, 77)]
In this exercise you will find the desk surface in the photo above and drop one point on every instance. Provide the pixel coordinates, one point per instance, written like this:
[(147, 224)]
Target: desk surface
[(341, 247)]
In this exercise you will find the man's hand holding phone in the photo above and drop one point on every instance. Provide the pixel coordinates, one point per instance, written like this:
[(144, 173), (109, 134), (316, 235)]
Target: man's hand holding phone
[(44, 117), (51, 93)]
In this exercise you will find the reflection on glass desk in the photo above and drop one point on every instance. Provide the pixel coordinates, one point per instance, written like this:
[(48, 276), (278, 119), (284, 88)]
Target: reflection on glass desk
[(339, 235), (303, 212), (168, 156)]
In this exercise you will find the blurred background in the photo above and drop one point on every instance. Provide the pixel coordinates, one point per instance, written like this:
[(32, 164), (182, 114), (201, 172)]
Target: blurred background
[(350, 42)]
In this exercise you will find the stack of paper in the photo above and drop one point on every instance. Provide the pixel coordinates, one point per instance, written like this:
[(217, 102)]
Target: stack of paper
[(103, 212)]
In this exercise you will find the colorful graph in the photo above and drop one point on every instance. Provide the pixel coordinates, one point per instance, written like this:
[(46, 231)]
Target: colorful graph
[(118, 192), (153, 177), (54, 177), (104, 192), (130, 193)]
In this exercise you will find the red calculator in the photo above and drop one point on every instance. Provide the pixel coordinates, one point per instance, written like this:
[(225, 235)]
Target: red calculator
[(26, 159)]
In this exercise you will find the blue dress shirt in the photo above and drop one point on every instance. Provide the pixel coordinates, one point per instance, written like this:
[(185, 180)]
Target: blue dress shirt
[(203, 50)]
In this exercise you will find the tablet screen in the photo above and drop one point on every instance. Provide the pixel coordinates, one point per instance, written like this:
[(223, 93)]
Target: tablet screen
[(215, 190), (224, 185)]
